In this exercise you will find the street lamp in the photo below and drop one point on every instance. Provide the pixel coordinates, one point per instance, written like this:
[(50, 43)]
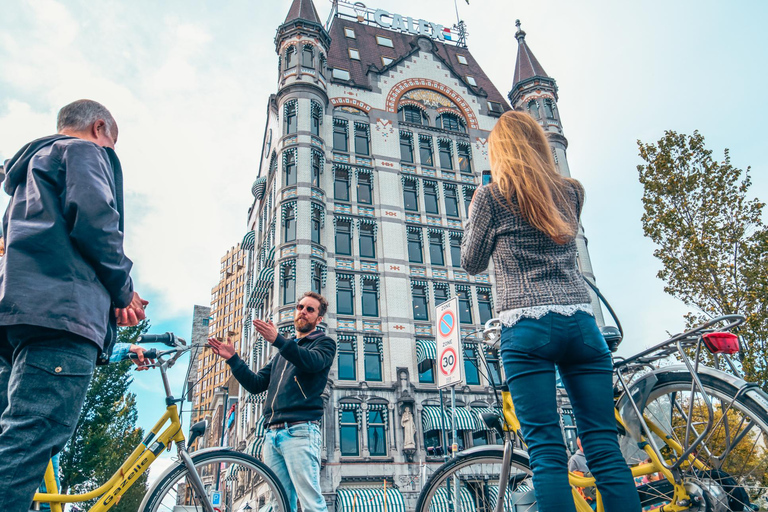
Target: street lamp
[(225, 390)]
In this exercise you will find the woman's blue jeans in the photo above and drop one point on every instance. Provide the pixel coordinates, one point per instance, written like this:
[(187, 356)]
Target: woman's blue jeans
[(530, 350)]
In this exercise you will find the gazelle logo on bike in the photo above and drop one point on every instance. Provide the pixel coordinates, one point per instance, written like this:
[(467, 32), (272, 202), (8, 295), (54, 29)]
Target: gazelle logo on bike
[(448, 341)]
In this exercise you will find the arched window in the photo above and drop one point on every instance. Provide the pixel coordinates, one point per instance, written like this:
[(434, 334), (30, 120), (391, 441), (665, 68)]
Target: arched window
[(533, 109), (412, 114), (321, 68), (290, 57), (308, 56), (451, 122), (549, 109)]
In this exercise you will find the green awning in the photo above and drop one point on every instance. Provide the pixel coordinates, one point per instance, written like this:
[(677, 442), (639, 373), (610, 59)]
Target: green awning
[(480, 410), (522, 495), (426, 353), (249, 241), (431, 418), (254, 447), (369, 500), (259, 429), (256, 399), (231, 474), (258, 188), (441, 503)]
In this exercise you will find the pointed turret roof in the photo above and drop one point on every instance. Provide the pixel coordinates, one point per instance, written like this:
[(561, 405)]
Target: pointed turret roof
[(304, 10), (526, 66)]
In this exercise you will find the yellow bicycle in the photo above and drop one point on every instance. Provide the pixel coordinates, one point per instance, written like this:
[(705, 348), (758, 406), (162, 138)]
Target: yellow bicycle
[(701, 431), (215, 479)]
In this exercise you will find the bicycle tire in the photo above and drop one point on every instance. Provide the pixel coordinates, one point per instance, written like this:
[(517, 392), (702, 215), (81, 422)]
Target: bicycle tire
[(476, 470), (165, 495), (742, 472)]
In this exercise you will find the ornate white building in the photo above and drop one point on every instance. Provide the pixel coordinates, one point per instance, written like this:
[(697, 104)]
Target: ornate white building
[(375, 141)]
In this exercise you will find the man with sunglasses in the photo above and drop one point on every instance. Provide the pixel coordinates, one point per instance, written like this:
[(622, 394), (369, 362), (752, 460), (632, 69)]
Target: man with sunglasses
[(294, 380)]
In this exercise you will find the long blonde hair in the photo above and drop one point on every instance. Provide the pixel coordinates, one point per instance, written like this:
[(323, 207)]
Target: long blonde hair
[(522, 165)]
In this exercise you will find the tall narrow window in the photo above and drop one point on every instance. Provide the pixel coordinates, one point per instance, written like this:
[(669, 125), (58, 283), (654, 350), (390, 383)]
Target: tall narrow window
[(289, 164), (425, 151), (289, 283), (340, 127), (430, 197), (321, 68), (427, 375), (436, 248), (364, 188), (471, 369), (450, 122), (468, 193), (419, 291), (484, 304), (370, 296), (345, 301), (367, 240), (347, 358), (533, 109), (361, 139), (317, 112), (317, 277), (290, 116), (290, 57), (414, 245), (451, 201), (349, 433), (456, 250), (465, 157), (317, 221), (377, 432), (446, 157), (411, 195), (372, 359), (465, 305), (441, 293), (406, 147), (494, 371), (307, 57), (317, 167), (289, 222), (343, 236), (549, 109), (340, 184)]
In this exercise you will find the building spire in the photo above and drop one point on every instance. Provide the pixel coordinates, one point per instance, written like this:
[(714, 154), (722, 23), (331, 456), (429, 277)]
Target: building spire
[(303, 10), (526, 66)]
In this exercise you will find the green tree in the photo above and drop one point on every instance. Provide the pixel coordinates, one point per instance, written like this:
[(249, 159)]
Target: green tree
[(710, 236), (106, 432)]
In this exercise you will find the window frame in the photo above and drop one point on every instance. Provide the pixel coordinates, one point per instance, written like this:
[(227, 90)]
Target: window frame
[(450, 193), (347, 31), (379, 42), (354, 53), (433, 252), (349, 351), (346, 290), (349, 425), (372, 358), (365, 185), (414, 237), (411, 187), (347, 235), (338, 184), (340, 127), (445, 155), (406, 141), (368, 229), (341, 74), (369, 286), (374, 427), (289, 223), (471, 80), (362, 139), (467, 168), (462, 59), (423, 301)]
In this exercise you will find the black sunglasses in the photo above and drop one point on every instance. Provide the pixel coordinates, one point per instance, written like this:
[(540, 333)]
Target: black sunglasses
[(300, 307)]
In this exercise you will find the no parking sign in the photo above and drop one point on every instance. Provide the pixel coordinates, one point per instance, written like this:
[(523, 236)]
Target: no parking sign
[(449, 356)]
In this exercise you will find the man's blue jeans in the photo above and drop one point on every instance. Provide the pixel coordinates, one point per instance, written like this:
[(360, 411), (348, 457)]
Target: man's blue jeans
[(530, 350), (293, 453), (44, 376)]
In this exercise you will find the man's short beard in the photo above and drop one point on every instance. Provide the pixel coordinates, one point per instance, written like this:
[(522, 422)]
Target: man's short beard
[(308, 326)]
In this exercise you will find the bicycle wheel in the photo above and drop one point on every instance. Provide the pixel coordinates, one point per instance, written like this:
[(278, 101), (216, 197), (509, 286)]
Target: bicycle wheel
[(470, 483), (734, 453), (241, 479)]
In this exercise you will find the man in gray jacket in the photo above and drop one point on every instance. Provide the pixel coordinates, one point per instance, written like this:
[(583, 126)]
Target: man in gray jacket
[(64, 286)]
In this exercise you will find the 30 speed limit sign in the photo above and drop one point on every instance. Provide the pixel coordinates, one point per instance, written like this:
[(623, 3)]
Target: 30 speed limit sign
[(449, 355)]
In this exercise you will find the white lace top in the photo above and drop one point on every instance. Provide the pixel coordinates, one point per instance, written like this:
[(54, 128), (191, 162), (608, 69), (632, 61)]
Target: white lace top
[(511, 316)]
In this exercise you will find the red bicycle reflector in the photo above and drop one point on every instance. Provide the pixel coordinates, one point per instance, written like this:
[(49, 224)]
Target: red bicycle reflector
[(721, 342)]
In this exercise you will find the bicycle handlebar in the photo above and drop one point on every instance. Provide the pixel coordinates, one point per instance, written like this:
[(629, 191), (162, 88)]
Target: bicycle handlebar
[(148, 354), (168, 339)]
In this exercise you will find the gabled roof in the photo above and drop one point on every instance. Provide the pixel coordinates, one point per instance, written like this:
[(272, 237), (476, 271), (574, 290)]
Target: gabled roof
[(526, 66), (302, 9), (404, 45)]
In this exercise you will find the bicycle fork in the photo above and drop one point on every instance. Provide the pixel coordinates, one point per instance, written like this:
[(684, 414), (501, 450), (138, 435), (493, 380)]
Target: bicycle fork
[(506, 464), (195, 480)]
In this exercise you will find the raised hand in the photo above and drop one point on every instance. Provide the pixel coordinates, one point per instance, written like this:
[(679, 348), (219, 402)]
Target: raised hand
[(133, 313), (221, 349), (266, 329)]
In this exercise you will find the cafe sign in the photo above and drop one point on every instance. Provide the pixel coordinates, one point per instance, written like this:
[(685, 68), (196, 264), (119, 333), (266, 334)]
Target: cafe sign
[(409, 25)]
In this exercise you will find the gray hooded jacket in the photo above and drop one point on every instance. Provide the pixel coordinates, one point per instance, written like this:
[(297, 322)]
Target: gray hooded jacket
[(64, 266)]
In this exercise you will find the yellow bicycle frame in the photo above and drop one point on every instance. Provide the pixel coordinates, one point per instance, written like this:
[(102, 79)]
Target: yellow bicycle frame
[(137, 463)]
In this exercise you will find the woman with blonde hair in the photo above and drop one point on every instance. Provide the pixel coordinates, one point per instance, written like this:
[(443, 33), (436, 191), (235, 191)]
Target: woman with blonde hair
[(527, 220)]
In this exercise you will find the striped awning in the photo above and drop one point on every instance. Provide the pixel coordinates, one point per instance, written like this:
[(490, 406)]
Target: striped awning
[(480, 410), (426, 353), (256, 399), (522, 494), (258, 187), (259, 429), (249, 241), (431, 418), (231, 474), (262, 286), (254, 447), (269, 261), (441, 502), (369, 500)]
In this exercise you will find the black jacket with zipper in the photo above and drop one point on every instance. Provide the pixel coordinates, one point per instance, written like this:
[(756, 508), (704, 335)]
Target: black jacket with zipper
[(294, 379)]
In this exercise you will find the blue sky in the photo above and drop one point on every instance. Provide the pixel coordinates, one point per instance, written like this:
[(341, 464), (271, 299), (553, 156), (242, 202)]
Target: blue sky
[(188, 83)]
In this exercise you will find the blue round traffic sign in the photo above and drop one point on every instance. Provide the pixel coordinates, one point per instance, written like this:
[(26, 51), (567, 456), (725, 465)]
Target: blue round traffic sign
[(446, 324)]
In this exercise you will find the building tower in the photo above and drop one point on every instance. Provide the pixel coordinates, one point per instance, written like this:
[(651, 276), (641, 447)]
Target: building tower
[(535, 92)]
